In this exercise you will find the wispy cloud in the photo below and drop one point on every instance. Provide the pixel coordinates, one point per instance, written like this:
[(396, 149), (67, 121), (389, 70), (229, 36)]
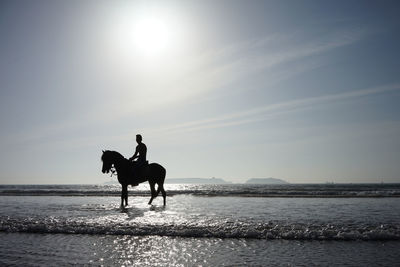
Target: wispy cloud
[(277, 57), (268, 111), (234, 62), (214, 70), (243, 117)]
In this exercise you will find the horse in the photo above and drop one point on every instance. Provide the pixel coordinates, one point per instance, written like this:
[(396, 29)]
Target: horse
[(154, 173)]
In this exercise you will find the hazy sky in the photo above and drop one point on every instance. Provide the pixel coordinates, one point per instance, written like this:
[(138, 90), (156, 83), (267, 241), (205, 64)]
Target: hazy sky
[(306, 91)]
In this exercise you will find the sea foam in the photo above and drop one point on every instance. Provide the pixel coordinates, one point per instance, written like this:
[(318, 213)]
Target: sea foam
[(206, 228)]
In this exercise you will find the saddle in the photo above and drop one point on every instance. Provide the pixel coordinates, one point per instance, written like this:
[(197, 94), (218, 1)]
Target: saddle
[(138, 171)]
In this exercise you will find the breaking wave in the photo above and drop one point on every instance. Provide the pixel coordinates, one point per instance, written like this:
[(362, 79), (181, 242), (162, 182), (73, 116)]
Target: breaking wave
[(211, 229), (237, 190)]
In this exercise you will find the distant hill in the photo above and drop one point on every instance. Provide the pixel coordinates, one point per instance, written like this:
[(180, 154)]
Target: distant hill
[(111, 182), (266, 181), (196, 181)]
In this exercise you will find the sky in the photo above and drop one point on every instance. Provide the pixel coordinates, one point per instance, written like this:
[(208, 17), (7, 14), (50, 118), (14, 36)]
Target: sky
[(305, 91)]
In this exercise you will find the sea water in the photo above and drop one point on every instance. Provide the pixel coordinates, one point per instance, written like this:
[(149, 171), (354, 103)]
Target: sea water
[(202, 225)]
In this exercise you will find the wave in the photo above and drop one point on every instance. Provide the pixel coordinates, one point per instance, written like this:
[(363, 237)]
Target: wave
[(317, 190), (309, 194), (210, 229)]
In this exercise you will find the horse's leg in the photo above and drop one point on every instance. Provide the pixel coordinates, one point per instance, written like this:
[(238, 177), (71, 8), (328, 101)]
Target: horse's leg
[(153, 192), (164, 195), (161, 189), (158, 190), (124, 195)]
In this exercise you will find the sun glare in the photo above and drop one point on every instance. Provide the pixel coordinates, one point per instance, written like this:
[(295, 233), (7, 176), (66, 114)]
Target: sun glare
[(143, 54), (148, 34), (151, 36)]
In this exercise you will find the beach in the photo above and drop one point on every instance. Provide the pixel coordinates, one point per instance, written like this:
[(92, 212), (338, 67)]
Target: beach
[(84, 225)]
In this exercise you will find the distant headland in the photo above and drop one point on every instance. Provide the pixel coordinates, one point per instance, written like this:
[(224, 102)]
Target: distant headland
[(266, 181)]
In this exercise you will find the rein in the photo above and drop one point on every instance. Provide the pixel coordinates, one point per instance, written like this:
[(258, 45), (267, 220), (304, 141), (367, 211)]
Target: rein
[(113, 171)]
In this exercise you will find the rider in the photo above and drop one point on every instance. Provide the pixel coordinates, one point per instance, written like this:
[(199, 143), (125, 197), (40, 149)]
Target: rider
[(140, 152)]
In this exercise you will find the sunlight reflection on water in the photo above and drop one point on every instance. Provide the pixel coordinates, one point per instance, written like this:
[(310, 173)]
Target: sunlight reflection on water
[(60, 249), (193, 230)]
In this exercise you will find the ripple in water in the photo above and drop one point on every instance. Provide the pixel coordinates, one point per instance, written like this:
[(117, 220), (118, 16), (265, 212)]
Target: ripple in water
[(61, 250)]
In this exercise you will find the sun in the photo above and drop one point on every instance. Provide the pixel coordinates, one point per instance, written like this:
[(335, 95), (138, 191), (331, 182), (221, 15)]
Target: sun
[(151, 35), (146, 34), (144, 49)]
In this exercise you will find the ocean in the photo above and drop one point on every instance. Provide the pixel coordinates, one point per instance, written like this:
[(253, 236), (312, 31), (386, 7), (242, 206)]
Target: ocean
[(201, 225)]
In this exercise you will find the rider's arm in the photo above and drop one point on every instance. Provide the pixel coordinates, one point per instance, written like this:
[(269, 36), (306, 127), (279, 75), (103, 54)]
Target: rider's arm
[(135, 155)]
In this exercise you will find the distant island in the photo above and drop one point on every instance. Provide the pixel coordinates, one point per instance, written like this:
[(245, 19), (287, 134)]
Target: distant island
[(196, 181), (111, 182), (266, 181)]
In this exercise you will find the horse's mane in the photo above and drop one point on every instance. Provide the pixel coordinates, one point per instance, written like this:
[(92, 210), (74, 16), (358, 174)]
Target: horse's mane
[(111, 154)]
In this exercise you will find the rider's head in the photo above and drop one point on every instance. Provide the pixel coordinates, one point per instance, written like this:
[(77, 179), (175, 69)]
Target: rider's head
[(138, 138)]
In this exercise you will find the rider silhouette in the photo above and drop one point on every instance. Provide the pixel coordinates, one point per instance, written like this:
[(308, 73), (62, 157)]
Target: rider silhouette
[(140, 152)]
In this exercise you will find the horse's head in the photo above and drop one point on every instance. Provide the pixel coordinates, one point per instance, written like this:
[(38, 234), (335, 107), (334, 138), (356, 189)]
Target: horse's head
[(107, 161)]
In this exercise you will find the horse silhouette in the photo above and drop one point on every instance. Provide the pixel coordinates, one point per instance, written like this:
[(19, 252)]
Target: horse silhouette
[(127, 174)]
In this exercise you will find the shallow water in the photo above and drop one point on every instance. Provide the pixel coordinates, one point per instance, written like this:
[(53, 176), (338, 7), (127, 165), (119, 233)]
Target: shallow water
[(240, 190), (193, 229), (62, 249), (220, 217)]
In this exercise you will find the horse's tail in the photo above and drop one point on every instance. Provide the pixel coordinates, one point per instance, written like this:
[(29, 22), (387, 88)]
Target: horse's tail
[(162, 179)]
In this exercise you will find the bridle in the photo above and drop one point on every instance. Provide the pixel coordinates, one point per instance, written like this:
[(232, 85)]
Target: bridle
[(113, 171)]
